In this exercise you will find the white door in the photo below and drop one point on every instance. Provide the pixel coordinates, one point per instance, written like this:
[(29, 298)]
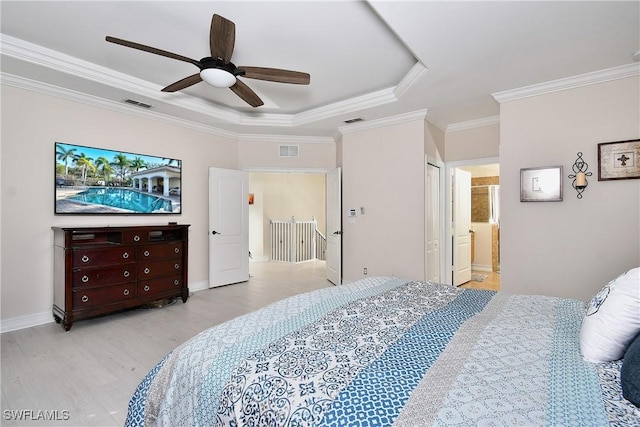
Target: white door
[(334, 227), (461, 226), (228, 227), (433, 224)]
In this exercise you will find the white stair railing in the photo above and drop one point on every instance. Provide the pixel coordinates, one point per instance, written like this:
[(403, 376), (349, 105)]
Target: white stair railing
[(296, 241)]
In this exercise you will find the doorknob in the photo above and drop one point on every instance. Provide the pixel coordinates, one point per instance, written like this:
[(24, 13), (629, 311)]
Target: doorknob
[(337, 232), (214, 232)]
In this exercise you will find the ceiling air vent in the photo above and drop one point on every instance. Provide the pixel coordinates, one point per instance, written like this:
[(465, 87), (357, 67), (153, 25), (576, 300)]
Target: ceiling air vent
[(357, 119), (288, 151), (137, 103)]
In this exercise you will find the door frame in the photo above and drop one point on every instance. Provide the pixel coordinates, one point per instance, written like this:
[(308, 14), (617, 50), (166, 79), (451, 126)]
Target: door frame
[(323, 171), (448, 216)]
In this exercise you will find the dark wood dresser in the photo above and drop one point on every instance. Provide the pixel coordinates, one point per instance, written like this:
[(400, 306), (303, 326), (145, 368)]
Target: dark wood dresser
[(101, 270)]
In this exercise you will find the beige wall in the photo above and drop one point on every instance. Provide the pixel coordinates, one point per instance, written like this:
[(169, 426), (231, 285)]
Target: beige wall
[(383, 171), (569, 248), (434, 142), (475, 143), (265, 154), (483, 255), (279, 196), (33, 122)]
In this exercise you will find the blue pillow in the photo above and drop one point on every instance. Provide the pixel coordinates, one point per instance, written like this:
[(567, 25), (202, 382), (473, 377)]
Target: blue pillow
[(630, 373)]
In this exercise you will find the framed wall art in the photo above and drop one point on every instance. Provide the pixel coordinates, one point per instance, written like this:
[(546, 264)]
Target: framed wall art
[(619, 160), (541, 184)]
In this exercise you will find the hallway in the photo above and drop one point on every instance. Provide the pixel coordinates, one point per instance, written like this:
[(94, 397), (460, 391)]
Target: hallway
[(491, 283)]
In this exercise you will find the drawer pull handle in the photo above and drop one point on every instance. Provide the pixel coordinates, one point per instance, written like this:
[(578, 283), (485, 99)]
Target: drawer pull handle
[(146, 253), (85, 298), (126, 292), (85, 279), (146, 288), (176, 266), (126, 273), (176, 282), (176, 250), (136, 238), (146, 270), (125, 255), (85, 258)]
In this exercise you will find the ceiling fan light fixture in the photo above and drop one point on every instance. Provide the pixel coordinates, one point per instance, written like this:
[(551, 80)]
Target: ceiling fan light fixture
[(218, 78)]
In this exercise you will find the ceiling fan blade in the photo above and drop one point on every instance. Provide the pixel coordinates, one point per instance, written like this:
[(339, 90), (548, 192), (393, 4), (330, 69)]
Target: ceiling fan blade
[(247, 95), (222, 38), (153, 50), (276, 75), (184, 83)]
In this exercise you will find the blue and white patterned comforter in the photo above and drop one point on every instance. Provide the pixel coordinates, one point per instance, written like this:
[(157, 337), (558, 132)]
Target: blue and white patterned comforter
[(382, 352)]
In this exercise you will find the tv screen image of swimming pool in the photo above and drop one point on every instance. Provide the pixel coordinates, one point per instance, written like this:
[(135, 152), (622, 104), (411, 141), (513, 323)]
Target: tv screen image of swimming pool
[(124, 198)]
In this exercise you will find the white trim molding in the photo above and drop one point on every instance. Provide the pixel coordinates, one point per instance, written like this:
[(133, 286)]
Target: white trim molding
[(28, 52), (586, 79), (22, 322), (387, 121), (473, 124)]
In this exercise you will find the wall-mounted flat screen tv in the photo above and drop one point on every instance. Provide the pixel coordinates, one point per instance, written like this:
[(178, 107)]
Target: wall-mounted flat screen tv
[(100, 181)]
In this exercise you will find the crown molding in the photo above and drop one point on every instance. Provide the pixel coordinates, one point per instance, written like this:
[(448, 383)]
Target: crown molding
[(387, 121), (35, 54), (48, 58), (473, 124), (51, 90), (285, 139), (47, 89), (615, 73), (374, 99), (415, 73)]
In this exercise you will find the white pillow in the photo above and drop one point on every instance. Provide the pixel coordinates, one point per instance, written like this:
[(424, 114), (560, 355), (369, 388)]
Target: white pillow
[(612, 319)]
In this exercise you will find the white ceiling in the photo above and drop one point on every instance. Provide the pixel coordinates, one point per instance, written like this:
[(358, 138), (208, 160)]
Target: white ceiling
[(366, 59)]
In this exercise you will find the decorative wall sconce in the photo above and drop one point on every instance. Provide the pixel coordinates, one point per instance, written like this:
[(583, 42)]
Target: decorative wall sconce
[(580, 175)]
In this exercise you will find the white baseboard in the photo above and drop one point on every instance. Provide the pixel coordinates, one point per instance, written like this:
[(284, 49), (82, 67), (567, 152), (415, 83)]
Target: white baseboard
[(21, 322), (198, 286), (482, 267), (29, 320)]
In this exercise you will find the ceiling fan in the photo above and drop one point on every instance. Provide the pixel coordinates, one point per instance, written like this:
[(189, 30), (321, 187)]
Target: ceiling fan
[(217, 69)]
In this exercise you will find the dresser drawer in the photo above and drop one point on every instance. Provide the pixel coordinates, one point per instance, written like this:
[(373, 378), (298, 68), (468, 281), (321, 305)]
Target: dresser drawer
[(162, 251), (135, 237), (104, 256), (148, 270), (86, 298), (94, 277), (147, 288)]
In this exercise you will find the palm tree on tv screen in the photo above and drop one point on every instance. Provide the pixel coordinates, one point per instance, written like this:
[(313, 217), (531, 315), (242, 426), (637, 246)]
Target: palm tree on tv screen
[(85, 163), (64, 156), (137, 164), (122, 164), (103, 167)]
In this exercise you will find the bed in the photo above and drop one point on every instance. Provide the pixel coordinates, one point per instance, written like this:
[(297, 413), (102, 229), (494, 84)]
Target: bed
[(387, 351)]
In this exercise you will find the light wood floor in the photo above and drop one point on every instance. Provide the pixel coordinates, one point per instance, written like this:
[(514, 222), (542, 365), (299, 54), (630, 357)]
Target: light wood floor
[(491, 283), (91, 371)]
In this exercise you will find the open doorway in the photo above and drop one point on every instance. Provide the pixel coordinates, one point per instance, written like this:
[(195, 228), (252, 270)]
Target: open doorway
[(484, 228), (278, 203)]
